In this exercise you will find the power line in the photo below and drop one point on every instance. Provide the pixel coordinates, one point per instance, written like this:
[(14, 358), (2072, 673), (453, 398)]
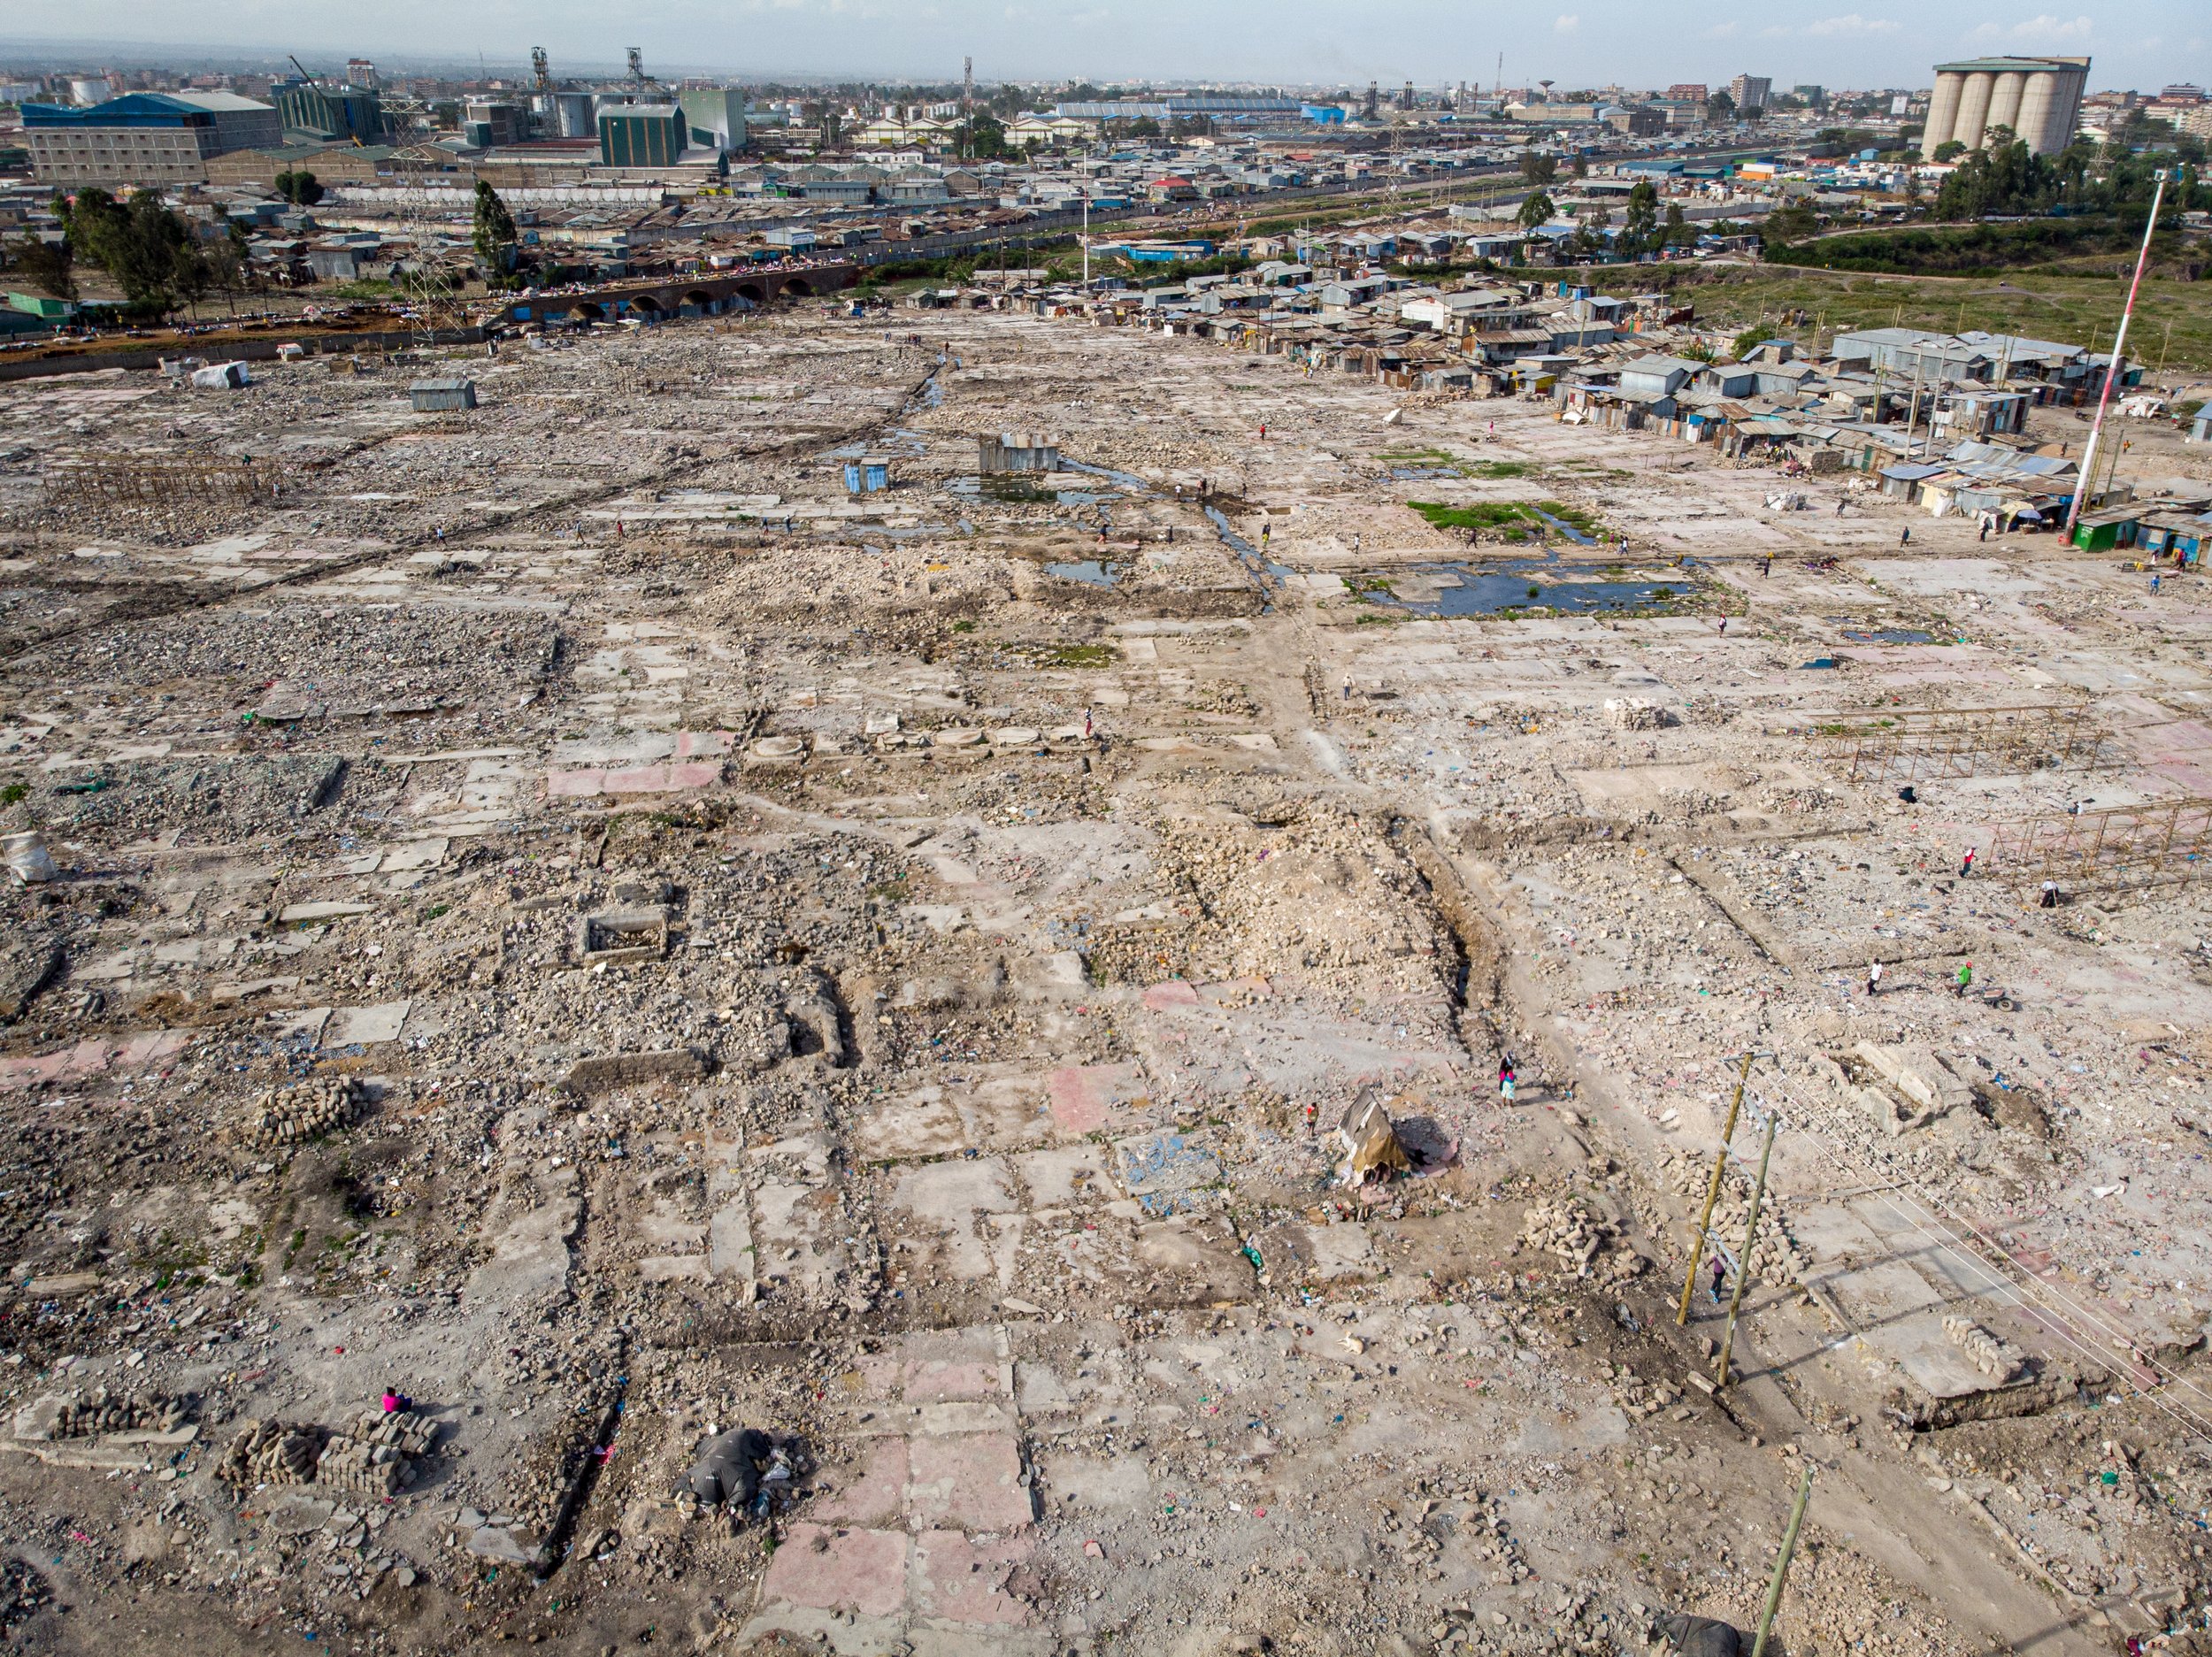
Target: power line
[(2050, 1300)]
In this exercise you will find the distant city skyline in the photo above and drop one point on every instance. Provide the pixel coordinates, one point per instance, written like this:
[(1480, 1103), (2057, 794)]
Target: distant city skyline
[(1573, 43)]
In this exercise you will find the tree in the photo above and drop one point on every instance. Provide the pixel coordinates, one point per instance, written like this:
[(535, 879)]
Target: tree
[(1537, 169), (1720, 109), (1950, 148), (1536, 210), (145, 247), (2003, 179), (48, 265), (1144, 126), (1640, 232), (1794, 223), (987, 138), (1675, 232), (300, 188), (495, 235)]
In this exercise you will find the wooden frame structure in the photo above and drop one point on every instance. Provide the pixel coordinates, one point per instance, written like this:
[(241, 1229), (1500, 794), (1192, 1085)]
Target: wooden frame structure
[(113, 480), (1915, 745), (2157, 840)]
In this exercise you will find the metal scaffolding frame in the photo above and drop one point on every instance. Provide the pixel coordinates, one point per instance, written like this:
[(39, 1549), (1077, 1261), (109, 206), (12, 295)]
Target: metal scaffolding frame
[(2135, 845), (1915, 745), (112, 480)]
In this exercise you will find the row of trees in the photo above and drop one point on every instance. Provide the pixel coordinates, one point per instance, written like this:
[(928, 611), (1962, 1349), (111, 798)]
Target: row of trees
[(148, 249), (2006, 180), (1643, 230)]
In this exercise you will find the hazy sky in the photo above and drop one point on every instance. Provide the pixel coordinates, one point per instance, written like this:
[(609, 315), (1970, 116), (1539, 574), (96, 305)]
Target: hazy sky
[(2142, 43)]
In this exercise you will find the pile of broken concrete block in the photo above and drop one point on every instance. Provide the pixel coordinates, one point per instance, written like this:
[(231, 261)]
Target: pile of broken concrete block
[(375, 1456), (1567, 1229), (302, 1111), (100, 1411), (1998, 1359)]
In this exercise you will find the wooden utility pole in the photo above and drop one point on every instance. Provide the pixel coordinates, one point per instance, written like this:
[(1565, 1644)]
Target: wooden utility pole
[(1743, 1265), (1712, 1194), (1782, 1565)]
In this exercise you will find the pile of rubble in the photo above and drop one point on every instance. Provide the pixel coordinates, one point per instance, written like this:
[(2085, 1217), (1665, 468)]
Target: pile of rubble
[(293, 1115), (375, 1456), (268, 1452), (1775, 1260), (1637, 713), (100, 1411), (23, 1594), (240, 794), (1568, 1229), (1636, 1395)]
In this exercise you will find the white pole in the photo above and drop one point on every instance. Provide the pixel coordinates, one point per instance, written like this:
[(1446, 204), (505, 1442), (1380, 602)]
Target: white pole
[(2112, 372), (1086, 238)]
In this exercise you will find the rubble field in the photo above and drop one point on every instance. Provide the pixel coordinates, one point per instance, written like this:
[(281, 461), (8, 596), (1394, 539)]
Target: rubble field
[(613, 1043)]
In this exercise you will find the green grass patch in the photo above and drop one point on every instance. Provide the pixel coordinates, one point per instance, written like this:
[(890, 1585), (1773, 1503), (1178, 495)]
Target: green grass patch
[(1983, 249), (1513, 520), (1812, 306)]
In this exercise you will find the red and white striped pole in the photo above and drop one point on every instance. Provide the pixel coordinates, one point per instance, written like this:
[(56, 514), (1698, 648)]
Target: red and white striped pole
[(2112, 370)]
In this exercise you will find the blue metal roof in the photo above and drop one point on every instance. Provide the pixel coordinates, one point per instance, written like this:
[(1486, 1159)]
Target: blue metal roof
[(133, 109)]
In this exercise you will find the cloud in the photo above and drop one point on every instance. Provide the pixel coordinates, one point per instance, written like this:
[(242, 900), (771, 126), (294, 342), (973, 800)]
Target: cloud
[(1851, 24), (2044, 27), (1722, 31), (1567, 23)]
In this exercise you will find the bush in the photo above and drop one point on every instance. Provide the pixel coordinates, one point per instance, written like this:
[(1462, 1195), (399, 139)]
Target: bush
[(1965, 251)]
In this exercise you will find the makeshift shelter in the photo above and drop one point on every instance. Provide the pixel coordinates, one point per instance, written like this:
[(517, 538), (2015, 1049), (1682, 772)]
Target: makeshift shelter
[(1371, 1144)]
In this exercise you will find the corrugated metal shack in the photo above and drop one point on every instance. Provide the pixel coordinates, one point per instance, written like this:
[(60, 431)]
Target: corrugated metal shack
[(441, 396)]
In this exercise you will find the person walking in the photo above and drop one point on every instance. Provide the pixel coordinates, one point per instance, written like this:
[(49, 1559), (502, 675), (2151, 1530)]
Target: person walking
[(1984, 534), (1347, 688), (2154, 580), (1964, 979), (2050, 900), (1874, 978), (1966, 864), (1766, 565), (1904, 537), (1720, 1279), (1506, 1079), (1724, 625)]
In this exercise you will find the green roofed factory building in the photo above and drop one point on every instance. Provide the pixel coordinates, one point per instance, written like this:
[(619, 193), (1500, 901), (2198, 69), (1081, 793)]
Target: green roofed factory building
[(642, 135), (335, 114)]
